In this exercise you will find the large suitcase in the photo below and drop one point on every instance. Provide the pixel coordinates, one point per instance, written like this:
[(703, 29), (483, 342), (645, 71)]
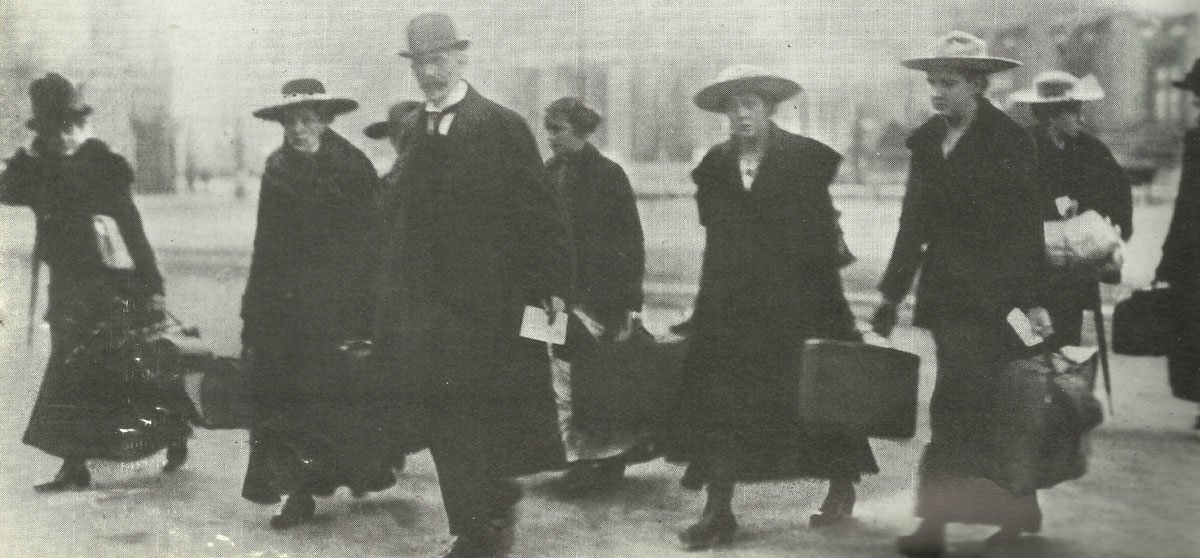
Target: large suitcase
[(1142, 324), (860, 388)]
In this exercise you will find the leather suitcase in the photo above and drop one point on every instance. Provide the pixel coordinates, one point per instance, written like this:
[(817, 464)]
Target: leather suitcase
[(1142, 324), (861, 388)]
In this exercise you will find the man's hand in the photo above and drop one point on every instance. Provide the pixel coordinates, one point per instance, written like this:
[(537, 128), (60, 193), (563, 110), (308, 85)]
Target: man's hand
[(884, 320), (553, 306), (626, 331), (1039, 320)]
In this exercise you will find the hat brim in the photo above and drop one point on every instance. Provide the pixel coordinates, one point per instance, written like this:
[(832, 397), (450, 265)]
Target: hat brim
[(714, 98), (74, 112), (461, 44), (985, 64), (1188, 84), (331, 107), (378, 130), (1031, 97)]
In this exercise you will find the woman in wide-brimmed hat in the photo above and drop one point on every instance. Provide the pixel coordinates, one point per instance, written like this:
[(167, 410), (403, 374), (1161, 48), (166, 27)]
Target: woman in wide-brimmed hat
[(971, 222), (105, 287), (309, 291), (1180, 264), (770, 280), (1076, 173)]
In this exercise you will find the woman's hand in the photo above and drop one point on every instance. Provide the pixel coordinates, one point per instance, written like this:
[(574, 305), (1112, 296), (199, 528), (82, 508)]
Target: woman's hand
[(626, 330), (1039, 320)]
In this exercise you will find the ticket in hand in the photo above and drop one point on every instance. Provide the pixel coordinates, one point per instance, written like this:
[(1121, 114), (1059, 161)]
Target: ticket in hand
[(535, 324)]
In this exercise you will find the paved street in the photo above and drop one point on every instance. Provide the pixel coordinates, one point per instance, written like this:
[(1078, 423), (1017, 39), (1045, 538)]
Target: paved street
[(1139, 499)]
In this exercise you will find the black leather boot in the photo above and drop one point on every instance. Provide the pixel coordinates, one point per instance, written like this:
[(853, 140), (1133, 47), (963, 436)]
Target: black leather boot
[(72, 475)]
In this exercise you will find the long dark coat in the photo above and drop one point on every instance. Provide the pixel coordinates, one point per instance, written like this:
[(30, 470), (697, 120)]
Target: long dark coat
[(64, 193), (1086, 171), (606, 232), (1180, 266), (971, 222), (473, 234), (309, 290), (770, 281)]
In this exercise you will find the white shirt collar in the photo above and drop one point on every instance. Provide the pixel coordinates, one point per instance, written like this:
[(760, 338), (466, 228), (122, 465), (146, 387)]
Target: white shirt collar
[(456, 94)]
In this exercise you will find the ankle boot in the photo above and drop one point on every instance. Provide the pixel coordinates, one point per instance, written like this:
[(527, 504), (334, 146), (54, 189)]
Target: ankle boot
[(838, 506), (715, 528), (298, 509), (72, 475), (928, 541), (176, 456)]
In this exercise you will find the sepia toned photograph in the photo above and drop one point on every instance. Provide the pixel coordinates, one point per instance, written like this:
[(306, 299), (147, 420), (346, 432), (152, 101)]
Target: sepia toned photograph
[(615, 278)]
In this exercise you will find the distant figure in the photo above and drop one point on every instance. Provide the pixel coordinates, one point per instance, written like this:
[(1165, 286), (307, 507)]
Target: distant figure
[(770, 281), (309, 291), (971, 222), (610, 261), (104, 283), (1076, 173), (473, 239), (393, 130), (1180, 265)]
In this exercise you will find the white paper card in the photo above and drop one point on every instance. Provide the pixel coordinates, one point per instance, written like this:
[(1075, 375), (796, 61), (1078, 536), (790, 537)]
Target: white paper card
[(1078, 354), (1023, 328), (536, 325)]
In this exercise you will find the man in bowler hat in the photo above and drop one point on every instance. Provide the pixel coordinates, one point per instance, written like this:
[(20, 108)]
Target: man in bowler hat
[(473, 237)]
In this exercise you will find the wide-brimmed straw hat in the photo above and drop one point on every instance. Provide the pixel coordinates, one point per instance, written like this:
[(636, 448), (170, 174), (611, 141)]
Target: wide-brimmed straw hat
[(744, 78), (962, 51), (432, 32), (386, 128), (1190, 81), (1057, 86), (306, 91), (55, 101)]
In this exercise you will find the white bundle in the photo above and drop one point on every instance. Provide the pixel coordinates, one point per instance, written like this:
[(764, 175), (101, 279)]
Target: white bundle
[(1085, 240)]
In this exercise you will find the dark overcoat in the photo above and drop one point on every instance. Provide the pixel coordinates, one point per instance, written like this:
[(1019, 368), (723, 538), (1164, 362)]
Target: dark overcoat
[(1085, 170), (606, 232), (310, 289), (472, 235), (770, 281), (1180, 266), (971, 221), (79, 407)]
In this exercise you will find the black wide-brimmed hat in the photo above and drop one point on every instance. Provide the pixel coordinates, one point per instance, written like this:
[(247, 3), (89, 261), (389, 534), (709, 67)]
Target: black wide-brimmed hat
[(387, 128), (306, 91), (55, 102), (744, 78), (1190, 81), (432, 32)]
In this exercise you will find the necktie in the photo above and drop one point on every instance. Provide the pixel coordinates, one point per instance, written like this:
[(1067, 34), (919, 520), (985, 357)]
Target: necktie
[(432, 119)]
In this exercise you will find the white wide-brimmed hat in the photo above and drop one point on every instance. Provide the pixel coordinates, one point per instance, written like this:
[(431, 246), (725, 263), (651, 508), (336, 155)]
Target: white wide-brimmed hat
[(744, 78), (306, 91), (959, 50), (1057, 86)]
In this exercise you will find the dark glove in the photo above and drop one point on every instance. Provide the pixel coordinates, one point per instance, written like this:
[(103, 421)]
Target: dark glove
[(885, 318)]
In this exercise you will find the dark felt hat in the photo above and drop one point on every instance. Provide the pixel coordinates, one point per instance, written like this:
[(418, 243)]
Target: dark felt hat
[(306, 91), (432, 32), (1190, 81), (55, 102), (385, 129)]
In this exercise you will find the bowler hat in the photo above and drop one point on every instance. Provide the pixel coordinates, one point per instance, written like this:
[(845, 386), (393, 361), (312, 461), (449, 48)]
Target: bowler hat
[(1057, 86), (55, 101), (396, 114), (432, 32), (306, 91), (744, 78), (962, 51), (1190, 81)]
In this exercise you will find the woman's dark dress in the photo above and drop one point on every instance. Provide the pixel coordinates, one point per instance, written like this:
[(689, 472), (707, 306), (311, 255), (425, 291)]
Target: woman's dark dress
[(85, 400), (309, 290), (770, 281)]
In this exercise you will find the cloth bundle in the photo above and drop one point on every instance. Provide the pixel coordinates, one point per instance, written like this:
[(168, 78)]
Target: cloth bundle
[(1086, 240)]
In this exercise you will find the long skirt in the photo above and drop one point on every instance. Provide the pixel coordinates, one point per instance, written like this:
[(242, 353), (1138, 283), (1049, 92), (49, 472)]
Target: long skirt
[(95, 401), (309, 433), (953, 486), (740, 390), (1183, 357)]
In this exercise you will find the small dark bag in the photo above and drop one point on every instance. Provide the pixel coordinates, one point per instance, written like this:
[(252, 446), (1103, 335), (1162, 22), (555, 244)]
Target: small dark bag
[(1142, 324)]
